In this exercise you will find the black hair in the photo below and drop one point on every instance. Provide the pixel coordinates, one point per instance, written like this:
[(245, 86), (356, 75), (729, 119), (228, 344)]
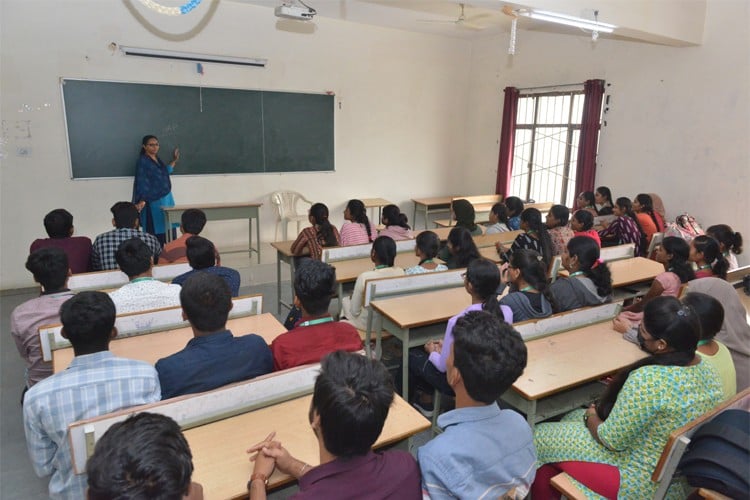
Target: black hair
[(359, 213), (624, 204), (49, 267), (587, 251), (515, 206), (667, 319), (200, 252), (352, 396), (605, 191), (726, 237), (326, 236), (206, 300), (647, 204), (133, 257), (534, 272), (145, 456), (501, 212), (428, 243), (87, 321), (385, 250), (58, 223), (147, 138), (709, 310), (561, 213), (125, 214), (585, 218), (463, 245), (395, 217), (464, 213), (484, 277), (589, 197), (680, 261), (314, 285), (709, 247), (533, 219), (489, 354), (193, 221)]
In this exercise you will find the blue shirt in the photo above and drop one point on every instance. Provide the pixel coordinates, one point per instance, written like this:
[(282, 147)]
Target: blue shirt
[(483, 452), (213, 361), (93, 385), (231, 276)]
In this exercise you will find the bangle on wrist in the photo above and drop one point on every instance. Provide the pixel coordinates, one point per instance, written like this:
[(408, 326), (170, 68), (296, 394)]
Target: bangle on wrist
[(257, 476), (303, 468)]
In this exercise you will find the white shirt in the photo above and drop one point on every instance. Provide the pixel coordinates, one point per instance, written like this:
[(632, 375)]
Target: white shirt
[(143, 294)]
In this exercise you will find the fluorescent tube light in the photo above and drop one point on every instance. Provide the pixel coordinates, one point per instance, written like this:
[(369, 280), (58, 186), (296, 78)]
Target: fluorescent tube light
[(187, 56), (569, 21)]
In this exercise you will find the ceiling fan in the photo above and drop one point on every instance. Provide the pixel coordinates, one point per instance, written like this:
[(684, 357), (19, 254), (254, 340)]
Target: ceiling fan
[(462, 21)]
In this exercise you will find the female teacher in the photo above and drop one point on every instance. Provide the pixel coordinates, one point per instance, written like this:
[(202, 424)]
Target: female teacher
[(152, 188)]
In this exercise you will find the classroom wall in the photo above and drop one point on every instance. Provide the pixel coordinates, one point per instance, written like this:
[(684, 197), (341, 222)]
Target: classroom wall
[(678, 120), (404, 103)]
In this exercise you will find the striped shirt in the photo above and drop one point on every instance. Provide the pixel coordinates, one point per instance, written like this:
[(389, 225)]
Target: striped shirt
[(354, 233), (93, 385)]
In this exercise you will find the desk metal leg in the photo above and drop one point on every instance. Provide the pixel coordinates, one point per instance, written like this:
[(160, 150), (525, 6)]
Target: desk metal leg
[(257, 234), (405, 374), (278, 282), (340, 292)]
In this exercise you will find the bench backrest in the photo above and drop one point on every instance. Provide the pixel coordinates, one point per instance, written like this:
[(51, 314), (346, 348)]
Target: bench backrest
[(101, 280), (619, 252), (735, 277), (145, 322), (480, 199), (411, 284), (656, 240), (336, 254), (569, 320), (199, 409)]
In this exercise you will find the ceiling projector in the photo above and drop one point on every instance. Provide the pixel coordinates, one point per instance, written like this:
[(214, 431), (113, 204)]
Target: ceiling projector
[(296, 12)]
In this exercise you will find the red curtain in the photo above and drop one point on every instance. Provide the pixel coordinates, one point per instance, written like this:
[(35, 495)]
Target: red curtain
[(507, 140), (590, 124)]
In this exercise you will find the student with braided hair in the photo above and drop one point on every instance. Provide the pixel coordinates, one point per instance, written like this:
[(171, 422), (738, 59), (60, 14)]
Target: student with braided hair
[(530, 296), (705, 253), (650, 221), (357, 229)]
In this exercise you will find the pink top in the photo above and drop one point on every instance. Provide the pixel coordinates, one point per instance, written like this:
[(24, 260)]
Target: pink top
[(353, 233), (397, 233), (670, 282)]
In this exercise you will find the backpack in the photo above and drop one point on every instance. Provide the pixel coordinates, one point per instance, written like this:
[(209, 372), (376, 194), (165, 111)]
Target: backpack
[(718, 456), (685, 226)]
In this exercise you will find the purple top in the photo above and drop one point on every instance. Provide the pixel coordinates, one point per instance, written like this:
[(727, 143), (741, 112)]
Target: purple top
[(391, 474), (439, 358), (77, 248)]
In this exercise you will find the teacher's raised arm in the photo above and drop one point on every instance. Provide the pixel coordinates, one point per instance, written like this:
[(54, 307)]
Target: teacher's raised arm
[(152, 188)]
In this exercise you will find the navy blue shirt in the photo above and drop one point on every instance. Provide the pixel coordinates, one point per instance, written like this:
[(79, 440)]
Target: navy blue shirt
[(231, 276), (213, 361)]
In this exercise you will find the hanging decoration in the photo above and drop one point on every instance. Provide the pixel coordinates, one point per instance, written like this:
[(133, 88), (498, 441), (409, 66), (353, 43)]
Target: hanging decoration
[(171, 11)]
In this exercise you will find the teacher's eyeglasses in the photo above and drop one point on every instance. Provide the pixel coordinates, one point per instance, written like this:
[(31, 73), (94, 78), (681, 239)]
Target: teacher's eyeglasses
[(152, 144)]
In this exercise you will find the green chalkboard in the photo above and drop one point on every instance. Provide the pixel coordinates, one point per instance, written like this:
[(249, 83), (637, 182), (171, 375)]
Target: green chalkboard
[(218, 131)]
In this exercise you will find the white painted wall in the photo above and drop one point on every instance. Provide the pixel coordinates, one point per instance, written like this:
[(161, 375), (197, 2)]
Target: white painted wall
[(679, 118), (400, 127)]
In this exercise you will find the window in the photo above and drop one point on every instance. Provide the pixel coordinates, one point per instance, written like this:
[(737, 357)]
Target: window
[(545, 153)]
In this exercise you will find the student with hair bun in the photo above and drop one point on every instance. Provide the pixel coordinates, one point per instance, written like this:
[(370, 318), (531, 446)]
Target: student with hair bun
[(730, 243), (529, 296), (357, 229), (586, 201), (650, 221), (498, 219), (427, 246), (582, 224), (589, 282), (705, 253), (396, 224)]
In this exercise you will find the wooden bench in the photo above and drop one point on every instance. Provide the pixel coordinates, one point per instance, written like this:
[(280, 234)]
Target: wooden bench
[(102, 280), (618, 252), (145, 322)]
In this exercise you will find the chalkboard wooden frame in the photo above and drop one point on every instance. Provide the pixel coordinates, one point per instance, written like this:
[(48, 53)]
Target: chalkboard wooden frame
[(218, 130)]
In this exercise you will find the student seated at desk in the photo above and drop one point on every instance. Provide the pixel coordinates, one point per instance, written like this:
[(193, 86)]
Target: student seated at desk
[(514, 204), (624, 229), (711, 315), (589, 282), (95, 383), (613, 447), (315, 334), (498, 219), (603, 201), (426, 249), (321, 234), (460, 249), (192, 223), (557, 227), (529, 296), (730, 243), (201, 255), (145, 456), (582, 224), (349, 407), (50, 269), (143, 292), (484, 451), (383, 254), (214, 357), (357, 229), (463, 213), (586, 201), (705, 253), (59, 226), (126, 222), (396, 224), (649, 220), (534, 237)]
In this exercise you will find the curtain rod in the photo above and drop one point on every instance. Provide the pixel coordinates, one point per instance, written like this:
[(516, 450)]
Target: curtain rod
[(552, 86)]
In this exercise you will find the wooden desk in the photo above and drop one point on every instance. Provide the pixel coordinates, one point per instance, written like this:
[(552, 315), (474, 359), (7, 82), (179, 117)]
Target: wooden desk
[(221, 211), (378, 203), (402, 314), (556, 380), (223, 468), (630, 271), (430, 205), (154, 346), (283, 254)]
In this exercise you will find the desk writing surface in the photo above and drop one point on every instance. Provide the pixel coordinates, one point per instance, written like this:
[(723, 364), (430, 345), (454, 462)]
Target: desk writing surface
[(572, 358), (223, 468), (154, 346), (202, 206), (284, 247), (374, 202), (436, 200), (627, 271), (419, 309), (348, 270)]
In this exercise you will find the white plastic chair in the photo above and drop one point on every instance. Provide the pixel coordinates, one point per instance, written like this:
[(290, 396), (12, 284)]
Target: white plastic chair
[(287, 211)]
